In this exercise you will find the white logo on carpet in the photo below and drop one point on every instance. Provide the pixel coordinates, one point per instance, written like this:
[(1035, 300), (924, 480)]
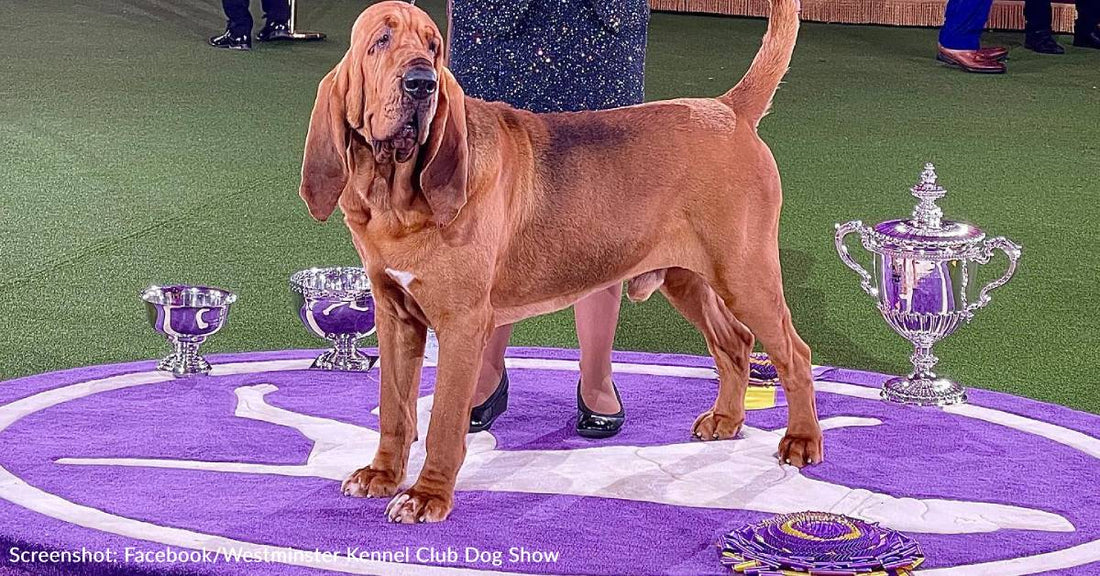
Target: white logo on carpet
[(19, 492), (741, 474)]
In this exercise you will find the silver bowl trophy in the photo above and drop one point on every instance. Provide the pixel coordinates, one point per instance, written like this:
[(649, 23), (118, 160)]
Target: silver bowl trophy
[(336, 304), (187, 315), (924, 280)]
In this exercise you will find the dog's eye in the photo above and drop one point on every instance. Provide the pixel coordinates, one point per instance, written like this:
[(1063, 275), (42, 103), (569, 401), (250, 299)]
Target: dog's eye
[(380, 43), (433, 47)]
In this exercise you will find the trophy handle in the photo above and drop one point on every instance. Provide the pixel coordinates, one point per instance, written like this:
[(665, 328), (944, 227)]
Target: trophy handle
[(867, 282), (1012, 250)]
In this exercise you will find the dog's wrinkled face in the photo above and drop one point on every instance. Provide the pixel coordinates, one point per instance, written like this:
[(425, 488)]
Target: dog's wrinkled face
[(399, 51), (390, 93)]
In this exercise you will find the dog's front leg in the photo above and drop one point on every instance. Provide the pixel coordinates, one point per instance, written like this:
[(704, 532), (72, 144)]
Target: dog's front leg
[(461, 343), (401, 347)]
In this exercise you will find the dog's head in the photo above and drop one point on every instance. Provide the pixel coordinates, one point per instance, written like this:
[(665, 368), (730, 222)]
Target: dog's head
[(390, 92)]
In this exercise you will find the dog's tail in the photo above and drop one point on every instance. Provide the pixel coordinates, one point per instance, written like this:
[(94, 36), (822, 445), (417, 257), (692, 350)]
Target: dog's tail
[(752, 96)]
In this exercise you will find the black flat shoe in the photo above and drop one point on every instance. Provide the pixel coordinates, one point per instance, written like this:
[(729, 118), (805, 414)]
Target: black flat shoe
[(1087, 40), (594, 425), (483, 415), (230, 42), (273, 31), (1043, 42)]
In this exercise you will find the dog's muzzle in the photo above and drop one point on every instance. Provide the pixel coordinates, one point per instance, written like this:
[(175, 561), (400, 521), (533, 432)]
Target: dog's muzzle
[(420, 82)]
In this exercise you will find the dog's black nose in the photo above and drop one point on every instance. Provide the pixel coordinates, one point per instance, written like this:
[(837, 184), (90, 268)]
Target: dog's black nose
[(420, 82)]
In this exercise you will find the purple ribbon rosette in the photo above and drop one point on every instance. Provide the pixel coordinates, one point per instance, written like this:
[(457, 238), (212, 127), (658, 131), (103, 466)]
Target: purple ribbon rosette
[(819, 544)]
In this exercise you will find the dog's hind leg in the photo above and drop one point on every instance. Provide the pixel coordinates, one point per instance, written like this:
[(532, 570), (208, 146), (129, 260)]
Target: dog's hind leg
[(728, 341), (756, 299)]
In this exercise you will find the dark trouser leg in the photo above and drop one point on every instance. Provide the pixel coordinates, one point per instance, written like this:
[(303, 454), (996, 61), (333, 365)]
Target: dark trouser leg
[(1088, 15), (240, 19), (964, 21), (1036, 16), (277, 11)]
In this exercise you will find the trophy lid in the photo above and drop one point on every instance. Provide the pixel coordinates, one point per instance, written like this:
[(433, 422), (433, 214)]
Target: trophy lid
[(927, 228)]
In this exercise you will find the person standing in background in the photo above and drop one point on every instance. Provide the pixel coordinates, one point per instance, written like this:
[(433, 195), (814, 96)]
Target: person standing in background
[(1039, 37), (554, 56), (960, 38), (238, 25)]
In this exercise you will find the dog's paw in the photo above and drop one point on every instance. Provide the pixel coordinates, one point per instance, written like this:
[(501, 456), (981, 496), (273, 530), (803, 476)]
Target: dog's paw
[(802, 449), (415, 506), (711, 426), (370, 483)]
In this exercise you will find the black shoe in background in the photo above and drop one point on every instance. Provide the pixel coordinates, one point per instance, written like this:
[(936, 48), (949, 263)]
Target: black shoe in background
[(1090, 40), (1043, 42), (595, 425), (483, 415), (273, 31), (229, 41)]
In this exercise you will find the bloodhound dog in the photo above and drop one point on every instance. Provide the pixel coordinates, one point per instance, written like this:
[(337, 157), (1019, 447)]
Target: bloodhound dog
[(470, 214)]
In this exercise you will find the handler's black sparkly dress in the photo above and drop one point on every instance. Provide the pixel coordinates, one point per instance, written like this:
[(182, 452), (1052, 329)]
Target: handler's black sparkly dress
[(550, 55)]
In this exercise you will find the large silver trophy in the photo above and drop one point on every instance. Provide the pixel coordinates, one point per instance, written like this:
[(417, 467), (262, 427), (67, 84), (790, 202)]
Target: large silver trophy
[(924, 281)]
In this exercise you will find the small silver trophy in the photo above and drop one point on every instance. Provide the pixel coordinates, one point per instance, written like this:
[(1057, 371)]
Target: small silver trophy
[(187, 316), (924, 273), (336, 304)]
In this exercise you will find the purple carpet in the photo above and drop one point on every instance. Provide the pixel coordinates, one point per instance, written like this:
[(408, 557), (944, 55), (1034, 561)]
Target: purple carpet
[(119, 470)]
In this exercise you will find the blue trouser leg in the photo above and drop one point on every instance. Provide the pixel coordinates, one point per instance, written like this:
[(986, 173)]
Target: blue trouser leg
[(963, 23)]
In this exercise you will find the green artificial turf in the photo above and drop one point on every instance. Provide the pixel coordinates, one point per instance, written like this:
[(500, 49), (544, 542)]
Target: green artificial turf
[(131, 153)]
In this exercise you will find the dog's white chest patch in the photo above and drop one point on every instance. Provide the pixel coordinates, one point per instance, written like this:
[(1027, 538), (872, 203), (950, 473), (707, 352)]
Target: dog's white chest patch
[(403, 278)]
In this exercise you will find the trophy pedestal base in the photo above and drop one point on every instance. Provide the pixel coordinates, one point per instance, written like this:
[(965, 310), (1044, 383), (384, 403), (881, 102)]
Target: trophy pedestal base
[(343, 361), (182, 366), (919, 391), (185, 359)]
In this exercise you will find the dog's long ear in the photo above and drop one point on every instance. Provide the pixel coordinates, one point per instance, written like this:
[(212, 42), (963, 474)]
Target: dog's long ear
[(445, 162), (325, 165)]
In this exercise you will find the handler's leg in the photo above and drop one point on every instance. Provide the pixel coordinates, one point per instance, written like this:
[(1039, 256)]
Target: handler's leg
[(238, 17), (1086, 34), (597, 317), (276, 11), (401, 347), (963, 23), (492, 363), (461, 344)]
